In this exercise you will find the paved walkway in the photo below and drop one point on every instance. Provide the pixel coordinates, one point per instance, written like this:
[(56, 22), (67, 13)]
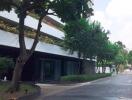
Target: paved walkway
[(52, 89)]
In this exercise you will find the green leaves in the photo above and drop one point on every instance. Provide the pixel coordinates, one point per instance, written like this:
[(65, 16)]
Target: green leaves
[(130, 57), (6, 63), (6, 5), (85, 37), (69, 10), (121, 56)]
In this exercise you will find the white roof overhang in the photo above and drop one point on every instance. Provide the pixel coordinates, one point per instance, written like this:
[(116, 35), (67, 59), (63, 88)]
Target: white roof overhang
[(32, 23), (11, 40)]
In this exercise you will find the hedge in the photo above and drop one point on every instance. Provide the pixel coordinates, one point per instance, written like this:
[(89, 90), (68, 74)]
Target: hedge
[(83, 78)]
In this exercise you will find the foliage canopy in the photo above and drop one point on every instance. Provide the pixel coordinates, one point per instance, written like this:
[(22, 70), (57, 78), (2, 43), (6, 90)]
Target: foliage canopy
[(85, 37)]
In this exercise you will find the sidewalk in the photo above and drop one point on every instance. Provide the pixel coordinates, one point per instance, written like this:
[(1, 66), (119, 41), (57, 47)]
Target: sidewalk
[(127, 71), (51, 89)]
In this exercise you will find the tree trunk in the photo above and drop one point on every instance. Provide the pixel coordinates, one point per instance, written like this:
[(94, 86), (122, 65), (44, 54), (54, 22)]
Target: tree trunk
[(79, 62), (117, 69), (83, 66), (24, 54), (80, 67), (20, 60), (17, 73), (99, 70), (103, 67)]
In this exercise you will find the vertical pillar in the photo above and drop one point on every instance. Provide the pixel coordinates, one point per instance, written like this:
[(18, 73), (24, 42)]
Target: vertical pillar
[(89, 67), (70, 69)]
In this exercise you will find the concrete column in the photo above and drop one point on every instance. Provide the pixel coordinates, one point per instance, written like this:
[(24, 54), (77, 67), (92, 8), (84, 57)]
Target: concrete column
[(89, 67)]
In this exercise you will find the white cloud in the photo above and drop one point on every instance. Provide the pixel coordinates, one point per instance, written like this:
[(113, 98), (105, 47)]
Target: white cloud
[(124, 34), (118, 18), (121, 11), (119, 8), (101, 17)]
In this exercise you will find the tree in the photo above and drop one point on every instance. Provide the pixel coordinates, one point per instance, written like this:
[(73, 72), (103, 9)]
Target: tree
[(130, 58), (67, 10), (119, 60), (120, 45), (112, 54), (6, 5), (107, 54), (85, 37), (121, 57)]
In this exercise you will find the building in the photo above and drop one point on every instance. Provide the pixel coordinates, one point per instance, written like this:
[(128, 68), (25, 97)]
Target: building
[(49, 61)]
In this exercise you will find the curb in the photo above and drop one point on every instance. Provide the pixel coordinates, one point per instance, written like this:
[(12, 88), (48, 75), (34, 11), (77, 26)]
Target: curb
[(90, 82)]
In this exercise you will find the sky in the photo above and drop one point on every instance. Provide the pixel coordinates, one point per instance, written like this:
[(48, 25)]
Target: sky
[(115, 16)]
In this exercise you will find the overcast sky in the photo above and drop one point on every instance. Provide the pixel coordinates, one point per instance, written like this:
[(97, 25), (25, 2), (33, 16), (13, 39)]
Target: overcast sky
[(116, 16)]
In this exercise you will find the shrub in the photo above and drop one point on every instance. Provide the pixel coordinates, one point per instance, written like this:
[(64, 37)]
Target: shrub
[(6, 63), (82, 78)]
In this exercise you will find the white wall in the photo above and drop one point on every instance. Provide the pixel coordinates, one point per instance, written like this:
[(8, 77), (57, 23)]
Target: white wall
[(100, 70), (32, 23), (10, 39)]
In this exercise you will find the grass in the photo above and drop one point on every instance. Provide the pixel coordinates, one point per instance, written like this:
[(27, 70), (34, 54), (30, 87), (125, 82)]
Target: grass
[(25, 89), (28, 87), (83, 78), (5, 85)]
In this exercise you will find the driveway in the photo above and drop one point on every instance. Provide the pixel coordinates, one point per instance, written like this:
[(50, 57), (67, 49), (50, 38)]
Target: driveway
[(113, 88)]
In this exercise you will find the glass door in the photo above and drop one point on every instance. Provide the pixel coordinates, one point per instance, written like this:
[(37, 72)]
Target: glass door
[(47, 70)]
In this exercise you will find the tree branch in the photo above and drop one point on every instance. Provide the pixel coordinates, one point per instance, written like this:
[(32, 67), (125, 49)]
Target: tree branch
[(22, 45), (36, 39)]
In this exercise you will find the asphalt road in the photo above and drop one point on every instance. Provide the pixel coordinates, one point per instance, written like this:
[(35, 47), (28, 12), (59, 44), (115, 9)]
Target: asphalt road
[(114, 88)]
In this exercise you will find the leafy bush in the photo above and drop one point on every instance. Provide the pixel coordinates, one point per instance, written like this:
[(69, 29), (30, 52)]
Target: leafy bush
[(6, 63), (82, 78), (6, 66)]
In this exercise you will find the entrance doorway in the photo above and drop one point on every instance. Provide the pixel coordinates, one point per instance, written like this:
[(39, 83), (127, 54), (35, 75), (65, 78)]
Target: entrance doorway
[(47, 70)]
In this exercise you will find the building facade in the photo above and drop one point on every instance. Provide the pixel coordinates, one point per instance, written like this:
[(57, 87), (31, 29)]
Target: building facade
[(49, 62)]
